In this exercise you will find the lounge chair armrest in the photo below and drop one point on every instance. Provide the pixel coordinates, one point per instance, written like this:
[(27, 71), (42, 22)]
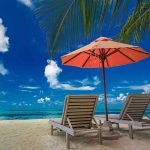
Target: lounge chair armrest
[(61, 127)]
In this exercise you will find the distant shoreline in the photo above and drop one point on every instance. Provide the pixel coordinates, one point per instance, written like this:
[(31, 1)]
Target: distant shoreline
[(42, 114)]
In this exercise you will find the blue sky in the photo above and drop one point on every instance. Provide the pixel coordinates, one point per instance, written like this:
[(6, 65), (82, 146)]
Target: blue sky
[(29, 81)]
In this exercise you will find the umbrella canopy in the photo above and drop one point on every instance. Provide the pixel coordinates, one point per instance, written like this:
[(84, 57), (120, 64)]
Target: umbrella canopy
[(104, 53)]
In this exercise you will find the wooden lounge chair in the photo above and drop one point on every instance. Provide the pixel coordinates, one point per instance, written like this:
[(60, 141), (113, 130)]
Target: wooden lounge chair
[(77, 117), (133, 112)]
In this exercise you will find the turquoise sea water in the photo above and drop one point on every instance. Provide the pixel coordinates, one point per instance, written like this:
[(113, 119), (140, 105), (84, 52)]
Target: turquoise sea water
[(28, 114), (42, 114)]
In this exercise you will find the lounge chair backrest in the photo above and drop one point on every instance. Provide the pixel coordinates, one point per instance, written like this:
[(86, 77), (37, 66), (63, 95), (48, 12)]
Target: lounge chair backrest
[(80, 110), (135, 107)]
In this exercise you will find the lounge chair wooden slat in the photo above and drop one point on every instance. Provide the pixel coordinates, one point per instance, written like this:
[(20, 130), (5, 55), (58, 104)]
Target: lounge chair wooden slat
[(133, 112), (81, 97), (80, 110), (137, 108), (80, 122), (137, 113), (81, 100), (143, 101), (79, 119), (78, 114), (86, 125), (80, 107), (82, 104), (138, 104)]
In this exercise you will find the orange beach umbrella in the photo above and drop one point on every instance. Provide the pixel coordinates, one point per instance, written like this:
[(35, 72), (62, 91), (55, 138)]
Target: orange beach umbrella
[(104, 53)]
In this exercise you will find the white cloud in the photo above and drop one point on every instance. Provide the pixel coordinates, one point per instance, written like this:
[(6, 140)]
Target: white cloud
[(3, 70), (145, 87), (28, 3), (29, 87), (83, 82), (101, 97), (22, 90), (96, 80), (113, 90), (109, 97), (58, 103), (52, 72), (121, 97), (23, 103), (4, 40), (43, 100), (70, 87)]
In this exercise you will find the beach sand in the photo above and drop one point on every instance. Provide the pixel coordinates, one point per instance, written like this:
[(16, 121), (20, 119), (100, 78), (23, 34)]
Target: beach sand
[(35, 135)]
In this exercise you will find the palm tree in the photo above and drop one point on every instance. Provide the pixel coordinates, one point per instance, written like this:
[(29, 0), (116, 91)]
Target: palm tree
[(66, 21)]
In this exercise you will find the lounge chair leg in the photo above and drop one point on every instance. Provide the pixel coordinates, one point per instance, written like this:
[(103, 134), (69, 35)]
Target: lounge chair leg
[(51, 129), (100, 137), (131, 131), (67, 141), (100, 122), (117, 125)]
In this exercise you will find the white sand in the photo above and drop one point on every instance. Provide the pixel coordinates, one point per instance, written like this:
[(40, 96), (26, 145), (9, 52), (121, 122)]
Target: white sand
[(35, 135)]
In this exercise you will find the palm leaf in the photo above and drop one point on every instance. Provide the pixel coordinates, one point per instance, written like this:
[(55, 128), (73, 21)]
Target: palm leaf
[(138, 24), (67, 22)]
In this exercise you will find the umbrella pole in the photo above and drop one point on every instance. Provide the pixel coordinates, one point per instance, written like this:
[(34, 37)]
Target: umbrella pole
[(104, 86)]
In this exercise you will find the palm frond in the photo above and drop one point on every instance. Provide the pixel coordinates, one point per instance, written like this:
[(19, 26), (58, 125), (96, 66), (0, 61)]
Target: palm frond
[(137, 25), (67, 22)]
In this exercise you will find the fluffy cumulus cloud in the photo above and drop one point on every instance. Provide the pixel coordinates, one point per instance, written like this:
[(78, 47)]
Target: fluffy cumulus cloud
[(28, 3), (43, 100), (121, 97), (4, 40), (146, 89), (52, 72), (101, 97), (110, 98), (3, 70)]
